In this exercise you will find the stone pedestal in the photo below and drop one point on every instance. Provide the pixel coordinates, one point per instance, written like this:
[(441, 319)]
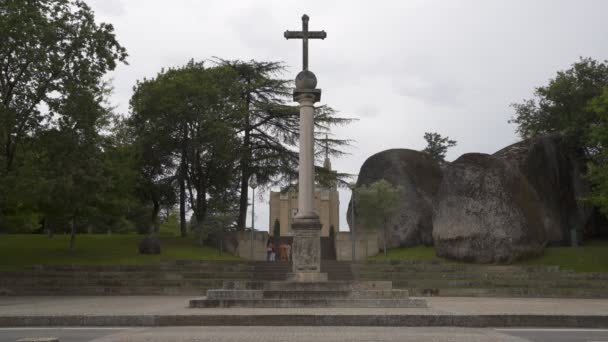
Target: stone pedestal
[(286, 294), (306, 251)]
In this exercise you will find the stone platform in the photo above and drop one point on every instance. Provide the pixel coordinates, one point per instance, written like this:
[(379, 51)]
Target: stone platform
[(287, 294)]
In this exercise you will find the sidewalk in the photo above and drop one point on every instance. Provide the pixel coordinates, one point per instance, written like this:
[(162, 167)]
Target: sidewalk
[(173, 311)]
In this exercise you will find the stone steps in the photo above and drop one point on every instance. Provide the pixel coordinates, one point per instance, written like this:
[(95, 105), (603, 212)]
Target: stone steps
[(273, 271), (420, 278), (307, 303), (537, 292), (309, 286), (323, 294), (283, 294), (482, 275)]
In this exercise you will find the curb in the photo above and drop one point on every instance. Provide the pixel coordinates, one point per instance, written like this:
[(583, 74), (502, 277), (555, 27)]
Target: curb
[(465, 321)]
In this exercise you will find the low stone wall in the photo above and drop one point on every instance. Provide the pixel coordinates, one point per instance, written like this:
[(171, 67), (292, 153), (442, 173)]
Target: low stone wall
[(344, 245)]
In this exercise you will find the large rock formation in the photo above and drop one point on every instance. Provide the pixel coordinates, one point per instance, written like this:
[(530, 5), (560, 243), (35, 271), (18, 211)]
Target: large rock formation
[(555, 171), (419, 176), (486, 211)]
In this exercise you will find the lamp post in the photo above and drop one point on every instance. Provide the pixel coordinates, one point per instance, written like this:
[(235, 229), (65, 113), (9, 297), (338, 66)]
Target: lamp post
[(253, 183), (352, 186)]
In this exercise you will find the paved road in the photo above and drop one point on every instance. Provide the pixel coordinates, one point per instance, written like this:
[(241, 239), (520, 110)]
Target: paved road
[(297, 334)]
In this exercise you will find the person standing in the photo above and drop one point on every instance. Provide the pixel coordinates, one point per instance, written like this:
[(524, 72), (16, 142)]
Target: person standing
[(269, 250), (272, 251)]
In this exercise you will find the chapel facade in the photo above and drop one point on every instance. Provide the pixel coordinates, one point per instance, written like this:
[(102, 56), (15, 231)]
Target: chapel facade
[(284, 206)]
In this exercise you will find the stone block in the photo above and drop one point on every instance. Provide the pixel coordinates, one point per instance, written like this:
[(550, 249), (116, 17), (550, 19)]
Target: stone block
[(308, 277)]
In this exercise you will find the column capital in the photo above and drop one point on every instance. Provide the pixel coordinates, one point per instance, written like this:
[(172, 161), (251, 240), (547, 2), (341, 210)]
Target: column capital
[(307, 95)]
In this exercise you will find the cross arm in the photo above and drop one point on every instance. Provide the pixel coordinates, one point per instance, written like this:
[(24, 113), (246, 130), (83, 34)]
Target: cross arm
[(303, 35)]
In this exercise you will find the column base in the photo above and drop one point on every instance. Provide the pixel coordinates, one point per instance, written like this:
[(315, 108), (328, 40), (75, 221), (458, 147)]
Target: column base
[(306, 250)]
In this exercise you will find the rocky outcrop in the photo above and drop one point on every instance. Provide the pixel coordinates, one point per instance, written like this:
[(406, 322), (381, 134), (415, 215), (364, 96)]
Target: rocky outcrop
[(486, 212), (419, 177), (555, 171)]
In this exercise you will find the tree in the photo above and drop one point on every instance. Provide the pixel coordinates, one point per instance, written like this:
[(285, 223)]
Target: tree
[(437, 146), (376, 204), (77, 184), (574, 104), (52, 53), (46, 47), (183, 121), (562, 106), (598, 167), (269, 128)]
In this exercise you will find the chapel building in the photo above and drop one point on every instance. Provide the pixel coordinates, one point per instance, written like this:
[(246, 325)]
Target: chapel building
[(284, 206)]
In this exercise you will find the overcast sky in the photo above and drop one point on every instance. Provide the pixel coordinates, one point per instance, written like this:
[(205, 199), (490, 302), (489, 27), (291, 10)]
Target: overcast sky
[(401, 67)]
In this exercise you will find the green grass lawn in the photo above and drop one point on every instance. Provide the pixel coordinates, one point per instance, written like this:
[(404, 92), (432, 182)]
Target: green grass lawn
[(592, 257), (411, 253), (19, 251)]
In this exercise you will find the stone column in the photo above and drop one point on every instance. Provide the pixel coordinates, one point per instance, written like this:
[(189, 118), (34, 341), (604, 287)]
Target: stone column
[(306, 251)]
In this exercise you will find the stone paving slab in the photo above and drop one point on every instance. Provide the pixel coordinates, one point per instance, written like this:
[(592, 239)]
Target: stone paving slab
[(266, 334), (173, 311)]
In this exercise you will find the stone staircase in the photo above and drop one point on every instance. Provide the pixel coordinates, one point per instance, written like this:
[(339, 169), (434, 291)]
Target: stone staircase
[(275, 271), (172, 278), (435, 278), (285, 294), (420, 278), (269, 289)]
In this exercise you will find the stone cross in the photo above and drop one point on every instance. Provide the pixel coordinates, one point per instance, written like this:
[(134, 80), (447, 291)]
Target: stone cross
[(305, 35), (306, 226)]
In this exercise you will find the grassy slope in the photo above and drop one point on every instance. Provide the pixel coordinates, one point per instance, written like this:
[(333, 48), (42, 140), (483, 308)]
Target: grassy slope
[(592, 257), (18, 251)]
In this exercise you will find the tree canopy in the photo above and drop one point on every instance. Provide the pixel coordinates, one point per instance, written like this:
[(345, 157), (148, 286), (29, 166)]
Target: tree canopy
[(52, 112), (437, 146), (375, 204), (574, 105)]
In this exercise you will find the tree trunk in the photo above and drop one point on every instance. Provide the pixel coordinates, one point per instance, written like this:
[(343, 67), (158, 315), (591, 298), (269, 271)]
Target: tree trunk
[(182, 209), (182, 198), (45, 227), (244, 195), (73, 234), (155, 209), (384, 242), (241, 221)]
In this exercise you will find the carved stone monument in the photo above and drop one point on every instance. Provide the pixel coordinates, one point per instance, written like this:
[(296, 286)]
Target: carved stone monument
[(306, 253), (306, 286)]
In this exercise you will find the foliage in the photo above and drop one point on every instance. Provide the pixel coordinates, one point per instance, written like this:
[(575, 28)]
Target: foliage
[(574, 104), (169, 226), (51, 111), (563, 105), (375, 204), (598, 167), (437, 146), (92, 249), (269, 128), (332, 232), (183, 125)]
